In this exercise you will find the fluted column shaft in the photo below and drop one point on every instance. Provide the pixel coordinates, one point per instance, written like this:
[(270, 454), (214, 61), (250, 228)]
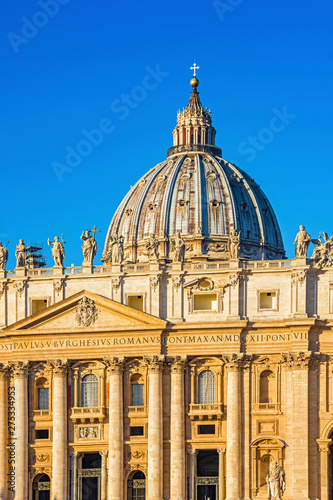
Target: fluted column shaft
[(59, 450), (233, 429), (177, 431), (21, 430), (155, 429), (116, 434), (4, 396)]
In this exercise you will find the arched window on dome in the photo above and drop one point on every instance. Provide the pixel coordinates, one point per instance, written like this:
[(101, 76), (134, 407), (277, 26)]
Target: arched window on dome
[(206, 388), (89, 391)]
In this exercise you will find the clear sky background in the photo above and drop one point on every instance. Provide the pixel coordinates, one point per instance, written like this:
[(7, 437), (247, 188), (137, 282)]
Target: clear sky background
[(66, 66)]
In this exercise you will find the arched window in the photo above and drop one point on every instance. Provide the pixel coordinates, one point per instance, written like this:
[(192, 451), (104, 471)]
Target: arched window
[(90, 391), (42, 394), (137, 391), (136, 487), (267, 387), (206, 388)]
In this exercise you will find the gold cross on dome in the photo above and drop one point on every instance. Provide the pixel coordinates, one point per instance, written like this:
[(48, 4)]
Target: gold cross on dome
[(194, 67)]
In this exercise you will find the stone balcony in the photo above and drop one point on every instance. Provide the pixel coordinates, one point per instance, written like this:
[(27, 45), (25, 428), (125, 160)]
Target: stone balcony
[(267, 408), (42, 415), (206, 411), (137, 411), (87, 415)]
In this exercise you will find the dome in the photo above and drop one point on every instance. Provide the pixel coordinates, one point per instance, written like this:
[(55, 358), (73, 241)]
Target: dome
[(199, 195)]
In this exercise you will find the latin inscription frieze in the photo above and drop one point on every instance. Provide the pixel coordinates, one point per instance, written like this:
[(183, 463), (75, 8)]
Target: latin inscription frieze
[(110, 341)]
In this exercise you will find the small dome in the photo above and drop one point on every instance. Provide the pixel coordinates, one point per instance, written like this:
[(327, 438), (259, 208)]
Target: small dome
[(197, 192)]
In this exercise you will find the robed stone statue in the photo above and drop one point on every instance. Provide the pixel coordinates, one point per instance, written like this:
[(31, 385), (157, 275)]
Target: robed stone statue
[(302, 242), (21, 254), (275, 481), (3, 256), (89, 248)]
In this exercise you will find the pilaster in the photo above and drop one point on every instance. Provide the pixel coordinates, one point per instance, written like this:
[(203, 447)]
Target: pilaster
[(59, 450), (155, 427), (116, 434), (4, 396), (177, 430)]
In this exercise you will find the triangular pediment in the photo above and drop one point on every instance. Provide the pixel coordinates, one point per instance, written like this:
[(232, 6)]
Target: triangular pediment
[(86, 311)]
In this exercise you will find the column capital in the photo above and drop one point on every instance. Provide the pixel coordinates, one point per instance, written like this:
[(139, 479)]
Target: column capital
[(177, 364), (103, 453), (234, 362), (4, 369), (192, 451), (59, 367), (114, 364), (154, 363), (221, 451), (300, 360), (324, 445), (20, 369)]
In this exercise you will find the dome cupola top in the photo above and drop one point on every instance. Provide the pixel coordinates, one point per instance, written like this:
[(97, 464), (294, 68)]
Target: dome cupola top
[(194, 130)]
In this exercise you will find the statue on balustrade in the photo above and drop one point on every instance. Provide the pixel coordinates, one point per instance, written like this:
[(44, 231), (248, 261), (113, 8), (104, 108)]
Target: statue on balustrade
[(117, 250), (302, 242), (58, 251), (89, 247), (21, 254), (3, 256), (233, 244), (152, 247), (275, 481), (178, 246)]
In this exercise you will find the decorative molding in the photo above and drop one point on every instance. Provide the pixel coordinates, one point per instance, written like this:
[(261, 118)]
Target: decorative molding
[(19, 286), (299, 276), (3, 287), (88, 433), (177, 281), (86, 312), (58, 285), (116, 282), (154, 281), (300, 360)]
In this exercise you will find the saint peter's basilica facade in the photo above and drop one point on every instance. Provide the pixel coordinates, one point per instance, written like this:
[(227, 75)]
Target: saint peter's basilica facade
[(195, 363)]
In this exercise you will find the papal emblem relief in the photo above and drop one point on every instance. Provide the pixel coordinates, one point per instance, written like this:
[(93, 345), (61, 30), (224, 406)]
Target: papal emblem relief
[(86, 312)]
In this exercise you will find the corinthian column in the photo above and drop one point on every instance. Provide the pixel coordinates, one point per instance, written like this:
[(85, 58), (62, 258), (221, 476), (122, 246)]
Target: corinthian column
[(155, 427), (233, 365), (4, 396), (116, 434), (59, 450), (20, 371), (177, 430)]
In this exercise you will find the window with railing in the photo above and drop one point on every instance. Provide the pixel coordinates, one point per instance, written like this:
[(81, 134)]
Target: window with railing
[(89, 391), (206, 387)]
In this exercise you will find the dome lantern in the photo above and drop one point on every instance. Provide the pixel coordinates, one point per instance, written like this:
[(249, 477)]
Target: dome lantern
[(194, 130)]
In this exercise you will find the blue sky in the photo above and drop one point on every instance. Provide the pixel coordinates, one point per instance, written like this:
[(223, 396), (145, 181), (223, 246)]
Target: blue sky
[(67, 65)]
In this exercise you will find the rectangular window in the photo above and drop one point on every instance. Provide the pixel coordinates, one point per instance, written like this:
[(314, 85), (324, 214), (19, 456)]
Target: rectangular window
[(42, 434), (137, 395), (267, 300), (205, 302), (136, 430), (43, 398), (38, 305), (206, 429), (136, 302)]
